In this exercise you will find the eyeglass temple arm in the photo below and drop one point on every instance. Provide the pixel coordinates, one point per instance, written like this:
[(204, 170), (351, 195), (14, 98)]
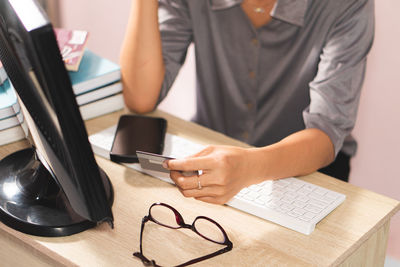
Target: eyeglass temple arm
[(140, 255), (144, 220), (216, 253), (145, 261)]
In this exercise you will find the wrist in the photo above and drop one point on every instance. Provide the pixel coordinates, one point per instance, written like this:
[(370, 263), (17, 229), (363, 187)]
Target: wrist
[(260, 164)]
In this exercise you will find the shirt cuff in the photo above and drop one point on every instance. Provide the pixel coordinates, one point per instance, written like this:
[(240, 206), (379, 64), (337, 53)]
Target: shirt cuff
[(319, 122)]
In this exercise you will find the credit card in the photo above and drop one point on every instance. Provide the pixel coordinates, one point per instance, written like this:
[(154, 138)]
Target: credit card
[(153, 162)]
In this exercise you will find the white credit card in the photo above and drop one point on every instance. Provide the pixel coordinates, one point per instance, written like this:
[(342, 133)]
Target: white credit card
[(153, 162)]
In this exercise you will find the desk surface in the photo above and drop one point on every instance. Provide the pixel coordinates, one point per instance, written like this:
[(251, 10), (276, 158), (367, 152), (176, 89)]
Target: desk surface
[(354, 233)]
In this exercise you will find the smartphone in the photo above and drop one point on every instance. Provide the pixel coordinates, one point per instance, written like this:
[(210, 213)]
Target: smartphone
[(135, 132)]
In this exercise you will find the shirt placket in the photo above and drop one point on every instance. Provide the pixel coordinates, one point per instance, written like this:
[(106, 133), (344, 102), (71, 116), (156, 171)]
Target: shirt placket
[(253, 81)]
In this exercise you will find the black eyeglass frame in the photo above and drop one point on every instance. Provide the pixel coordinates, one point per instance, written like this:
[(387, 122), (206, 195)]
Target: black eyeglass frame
[(181, 224)]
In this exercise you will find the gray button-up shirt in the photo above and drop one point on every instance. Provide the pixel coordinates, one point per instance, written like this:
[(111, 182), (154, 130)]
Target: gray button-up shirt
[(304, 69)]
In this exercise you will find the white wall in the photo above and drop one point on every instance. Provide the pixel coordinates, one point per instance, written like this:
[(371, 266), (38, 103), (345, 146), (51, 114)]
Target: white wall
[(377, 163)]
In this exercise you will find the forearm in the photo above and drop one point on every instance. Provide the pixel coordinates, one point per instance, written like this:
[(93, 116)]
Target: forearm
[(298, 154), (141, 59)]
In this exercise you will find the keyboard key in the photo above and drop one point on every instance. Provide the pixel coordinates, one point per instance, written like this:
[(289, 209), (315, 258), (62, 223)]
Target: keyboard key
[(248, 197), (314, 195), (309, 215), (304, 218), (259, 201), (255, 188), (291, 194), (245, 190), (312, 208), (317, 203), (333, 195), (287, 199), (253, 194), (303, 198), (266, 191), (278, 189), (265, 199), (300, 212), (240, 193), (277, 194), (286, 207), (291, 188), (328, 199), (304, 191), (294, 186), (293, 214), (310, 187), (299, 204), (321, 191), (273, 203)]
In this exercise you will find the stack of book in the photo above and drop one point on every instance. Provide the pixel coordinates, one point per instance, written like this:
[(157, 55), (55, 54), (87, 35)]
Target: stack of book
[(96, 81), (11, 116), (97, 86)]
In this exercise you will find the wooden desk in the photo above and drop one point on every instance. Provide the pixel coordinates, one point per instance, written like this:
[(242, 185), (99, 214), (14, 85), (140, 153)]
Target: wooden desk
[(355, 234)]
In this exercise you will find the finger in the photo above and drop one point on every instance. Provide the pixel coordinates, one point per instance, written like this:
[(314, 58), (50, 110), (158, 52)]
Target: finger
[(185, 182), (209, 191), (175, 175), (213, 200), (192, 182), (191, 164), (203, 152)]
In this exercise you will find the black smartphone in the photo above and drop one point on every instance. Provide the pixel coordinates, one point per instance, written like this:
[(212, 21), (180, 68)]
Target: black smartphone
[(135, 132)]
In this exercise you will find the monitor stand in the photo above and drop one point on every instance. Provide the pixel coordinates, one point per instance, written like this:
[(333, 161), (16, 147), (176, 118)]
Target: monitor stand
[(32, 202)]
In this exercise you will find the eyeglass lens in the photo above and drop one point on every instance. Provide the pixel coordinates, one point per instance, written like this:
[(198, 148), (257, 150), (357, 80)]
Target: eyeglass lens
[(165, 216), (209, 230)]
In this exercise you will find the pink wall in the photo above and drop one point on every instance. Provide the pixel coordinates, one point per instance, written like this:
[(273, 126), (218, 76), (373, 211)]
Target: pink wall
[(106, 21), (376, 165)]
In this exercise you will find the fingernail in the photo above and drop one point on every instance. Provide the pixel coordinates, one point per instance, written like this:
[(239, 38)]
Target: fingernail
[(165, 164)]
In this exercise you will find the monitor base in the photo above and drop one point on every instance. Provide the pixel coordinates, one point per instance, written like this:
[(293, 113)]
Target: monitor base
[(31, 201)]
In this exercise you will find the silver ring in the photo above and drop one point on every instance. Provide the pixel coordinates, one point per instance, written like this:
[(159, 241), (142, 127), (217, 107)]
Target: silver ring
[(198, 182)]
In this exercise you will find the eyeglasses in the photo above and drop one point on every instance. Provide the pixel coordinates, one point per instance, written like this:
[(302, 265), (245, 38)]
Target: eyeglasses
[(165, 215)]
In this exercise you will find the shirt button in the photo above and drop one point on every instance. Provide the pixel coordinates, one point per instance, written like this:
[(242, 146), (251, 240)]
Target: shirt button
[(252, 74), (254, 41), (245, 135), (249, 105)]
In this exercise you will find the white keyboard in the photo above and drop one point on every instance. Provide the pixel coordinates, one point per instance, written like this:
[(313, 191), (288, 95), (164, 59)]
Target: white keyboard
[(290, 202)]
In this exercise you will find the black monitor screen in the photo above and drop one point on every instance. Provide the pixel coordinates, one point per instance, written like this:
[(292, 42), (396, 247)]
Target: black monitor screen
[(31, 57)]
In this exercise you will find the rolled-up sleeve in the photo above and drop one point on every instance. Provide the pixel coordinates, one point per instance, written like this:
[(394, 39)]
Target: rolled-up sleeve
[(176, 36), (335, 90)]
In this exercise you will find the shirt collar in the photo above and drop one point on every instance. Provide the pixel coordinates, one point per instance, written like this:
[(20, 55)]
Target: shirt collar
[(291, 11)]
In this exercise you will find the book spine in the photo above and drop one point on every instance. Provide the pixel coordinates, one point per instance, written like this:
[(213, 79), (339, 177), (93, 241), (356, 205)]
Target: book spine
[(99, 93), (11, 135), (102, 107), (11, 121)]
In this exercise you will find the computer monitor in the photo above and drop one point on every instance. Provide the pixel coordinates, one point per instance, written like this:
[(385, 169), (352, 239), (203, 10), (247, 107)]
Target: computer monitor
[(54, 188)]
